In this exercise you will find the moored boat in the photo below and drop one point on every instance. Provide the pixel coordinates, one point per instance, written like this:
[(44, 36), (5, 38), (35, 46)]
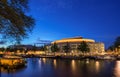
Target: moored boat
[(11, 62)]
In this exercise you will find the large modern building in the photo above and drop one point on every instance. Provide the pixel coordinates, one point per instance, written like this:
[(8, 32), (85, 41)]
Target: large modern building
[(95, 47)]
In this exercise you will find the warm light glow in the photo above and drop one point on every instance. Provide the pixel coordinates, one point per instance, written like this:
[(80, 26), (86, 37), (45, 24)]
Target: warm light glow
[(97, 65), (40, 52), (117, 69), (65, 54), (87, 61), (11, 61), (55, 63), (73, 40), (44, 60), (73, 65)]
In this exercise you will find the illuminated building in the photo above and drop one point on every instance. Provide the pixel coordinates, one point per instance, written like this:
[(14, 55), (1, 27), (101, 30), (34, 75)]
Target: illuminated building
[(95, 47)]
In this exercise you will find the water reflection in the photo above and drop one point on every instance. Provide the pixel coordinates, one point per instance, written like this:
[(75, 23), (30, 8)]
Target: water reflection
[(39, 62), (3, 70), (44, 60), (73, 65), (55, 63), (117, 69), (43, 67), (87, 61), (97, 65)]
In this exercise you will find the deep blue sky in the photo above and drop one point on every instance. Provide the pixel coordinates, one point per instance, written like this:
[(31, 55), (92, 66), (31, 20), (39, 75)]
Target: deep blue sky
[(57, 19)]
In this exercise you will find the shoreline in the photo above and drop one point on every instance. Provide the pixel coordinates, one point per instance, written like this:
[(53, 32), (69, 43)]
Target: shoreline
[(74, 57)]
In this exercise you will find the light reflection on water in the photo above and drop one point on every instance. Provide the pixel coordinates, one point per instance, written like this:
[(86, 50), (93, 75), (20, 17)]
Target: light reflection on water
[(117, 69), (42, 67), (73, 65), (55, 63), (97, 65), (44, 60)]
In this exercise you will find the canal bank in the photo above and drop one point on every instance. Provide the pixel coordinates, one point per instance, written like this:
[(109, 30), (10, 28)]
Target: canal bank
[(12, 62), (80, 57)]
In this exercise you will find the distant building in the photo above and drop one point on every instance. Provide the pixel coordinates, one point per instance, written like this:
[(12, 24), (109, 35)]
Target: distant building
[(25, 47), (95, 47)]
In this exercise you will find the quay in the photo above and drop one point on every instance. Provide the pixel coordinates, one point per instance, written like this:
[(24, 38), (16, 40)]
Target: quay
[(80, 57)]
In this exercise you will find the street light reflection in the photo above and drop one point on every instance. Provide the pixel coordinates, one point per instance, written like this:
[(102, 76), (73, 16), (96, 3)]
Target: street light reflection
[(87, 61), (44, 60), (39, 62), (117, 69), (73, 65), (97, 65), (55, 63)]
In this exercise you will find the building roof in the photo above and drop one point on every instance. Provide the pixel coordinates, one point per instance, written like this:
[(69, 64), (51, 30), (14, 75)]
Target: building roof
[(78, 37), (74, 39)]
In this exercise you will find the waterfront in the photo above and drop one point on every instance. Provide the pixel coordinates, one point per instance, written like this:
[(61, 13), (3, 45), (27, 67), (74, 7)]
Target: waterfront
[(43, 67)]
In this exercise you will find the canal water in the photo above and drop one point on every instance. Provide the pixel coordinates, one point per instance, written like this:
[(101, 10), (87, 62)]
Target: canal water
[(42, 67)]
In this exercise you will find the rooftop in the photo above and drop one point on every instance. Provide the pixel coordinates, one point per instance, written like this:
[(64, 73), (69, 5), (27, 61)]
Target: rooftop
[(74, 39)]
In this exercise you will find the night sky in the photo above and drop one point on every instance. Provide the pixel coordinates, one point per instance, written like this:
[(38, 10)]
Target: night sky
[(57, 19)]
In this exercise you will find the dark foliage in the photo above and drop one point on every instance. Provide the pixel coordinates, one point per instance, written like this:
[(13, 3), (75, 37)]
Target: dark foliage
[(67, 48), (83, 47), (111, 47), (43, 48), (54, 48), (14, 23), (117, 42)]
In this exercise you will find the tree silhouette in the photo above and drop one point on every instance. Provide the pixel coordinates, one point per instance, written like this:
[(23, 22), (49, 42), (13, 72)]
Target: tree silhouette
[(14, 23), (67, 48), (34, 48), (43, 48), (111, 47), (2, 49), (117, 42), (83, 47), (54, 48)]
